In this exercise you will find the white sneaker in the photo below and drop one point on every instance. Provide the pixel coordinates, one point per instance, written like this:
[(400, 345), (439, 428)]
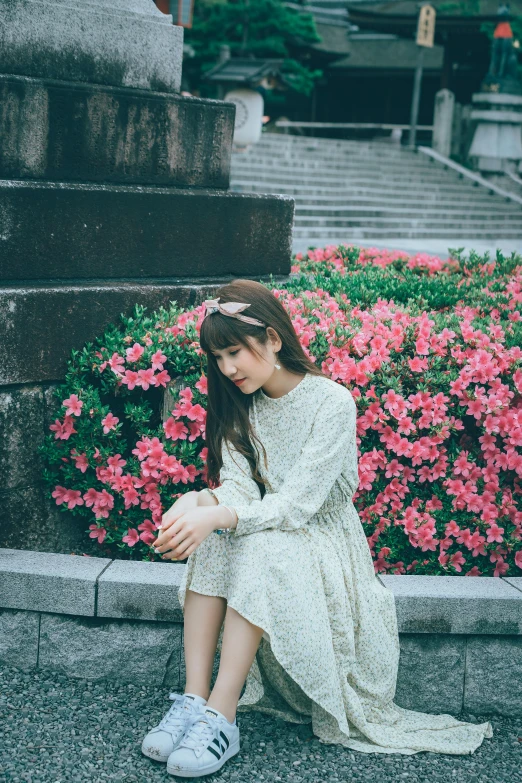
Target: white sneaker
[(163, 738), (209, 741)]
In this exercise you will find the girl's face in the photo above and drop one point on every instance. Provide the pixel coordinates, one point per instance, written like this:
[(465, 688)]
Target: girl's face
[(237, 362)]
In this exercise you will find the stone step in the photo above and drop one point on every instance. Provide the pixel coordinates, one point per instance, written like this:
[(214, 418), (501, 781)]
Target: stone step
[(279, 141), (93, 133), (405, 176), (367, 189), (342, 156), (281, 186), (310, 194), (95, 41), (332, 164), (322, 151), (313, 212), (442, 225), (322, 237), (426, 220), (486, 205), (130, 231)]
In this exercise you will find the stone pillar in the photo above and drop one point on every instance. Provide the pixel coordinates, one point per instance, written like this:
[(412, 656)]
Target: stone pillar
[(497, 142), (113, 191), (443, 122), (125, 43)]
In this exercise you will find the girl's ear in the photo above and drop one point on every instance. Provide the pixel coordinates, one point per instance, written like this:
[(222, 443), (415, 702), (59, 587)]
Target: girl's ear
[(275, 340)]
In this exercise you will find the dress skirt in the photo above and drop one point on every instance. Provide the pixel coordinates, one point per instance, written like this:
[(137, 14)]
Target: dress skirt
[(329, 653)]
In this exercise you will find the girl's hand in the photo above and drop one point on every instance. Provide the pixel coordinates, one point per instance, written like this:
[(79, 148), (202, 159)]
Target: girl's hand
[(184, 503), (186, 531)]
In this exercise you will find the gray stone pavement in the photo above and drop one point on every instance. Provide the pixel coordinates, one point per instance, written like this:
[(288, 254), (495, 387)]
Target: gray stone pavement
[(54, 730)]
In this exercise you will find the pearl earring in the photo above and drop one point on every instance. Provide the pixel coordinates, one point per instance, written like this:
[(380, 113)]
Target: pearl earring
[(277, 366)]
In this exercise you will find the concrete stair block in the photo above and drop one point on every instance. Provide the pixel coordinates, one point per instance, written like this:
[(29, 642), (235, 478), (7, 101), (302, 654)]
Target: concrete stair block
[(140, 591), (96, 649), (454, 605), (126, 43), (82, 132), (514, 581), (76, 232), (20, 410), (19, 635), (493, 673), (431, 671), (48, 582)]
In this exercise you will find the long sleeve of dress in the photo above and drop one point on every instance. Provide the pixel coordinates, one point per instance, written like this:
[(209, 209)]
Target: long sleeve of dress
[(237, 485), (307, 484)]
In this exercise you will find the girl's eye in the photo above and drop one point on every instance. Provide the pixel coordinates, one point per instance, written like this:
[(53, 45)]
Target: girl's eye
[(232, 353)]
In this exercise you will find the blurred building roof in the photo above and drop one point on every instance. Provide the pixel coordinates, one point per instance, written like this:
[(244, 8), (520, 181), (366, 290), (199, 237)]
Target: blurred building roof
[(247, 70), (400, 16), (386, 52), (332, 12)]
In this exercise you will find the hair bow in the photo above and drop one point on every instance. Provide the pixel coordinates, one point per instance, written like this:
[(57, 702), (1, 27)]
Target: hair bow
[(232, 309)]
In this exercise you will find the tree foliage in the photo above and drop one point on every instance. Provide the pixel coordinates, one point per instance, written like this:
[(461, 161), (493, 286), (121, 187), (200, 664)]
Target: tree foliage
[(260, 28)]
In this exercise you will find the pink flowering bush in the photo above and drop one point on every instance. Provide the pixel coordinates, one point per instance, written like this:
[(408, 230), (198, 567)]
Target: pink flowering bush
[(430, 350)]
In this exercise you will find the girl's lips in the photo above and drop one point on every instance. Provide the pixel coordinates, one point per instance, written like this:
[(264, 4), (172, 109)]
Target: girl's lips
[(238, 383)]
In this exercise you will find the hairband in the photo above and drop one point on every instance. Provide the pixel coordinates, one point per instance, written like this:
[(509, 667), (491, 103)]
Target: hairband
[(232, 309)]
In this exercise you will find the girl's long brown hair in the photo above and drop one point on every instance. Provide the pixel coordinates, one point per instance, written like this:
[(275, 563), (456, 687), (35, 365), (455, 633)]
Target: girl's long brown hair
[(227, 407)]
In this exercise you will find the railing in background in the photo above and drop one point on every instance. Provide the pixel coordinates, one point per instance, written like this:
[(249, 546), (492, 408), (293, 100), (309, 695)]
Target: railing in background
[(359, 130)]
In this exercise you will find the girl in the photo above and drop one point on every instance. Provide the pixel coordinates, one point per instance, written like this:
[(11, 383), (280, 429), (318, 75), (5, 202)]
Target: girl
[(308, 627)]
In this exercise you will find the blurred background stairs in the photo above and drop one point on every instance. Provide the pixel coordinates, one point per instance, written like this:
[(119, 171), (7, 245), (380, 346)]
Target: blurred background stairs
[(375, 194)]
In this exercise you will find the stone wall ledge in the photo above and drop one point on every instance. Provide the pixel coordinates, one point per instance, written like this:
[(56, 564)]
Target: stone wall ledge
[(64, 230), (127, 43), (96, 618), (139, 590), (74, 132)]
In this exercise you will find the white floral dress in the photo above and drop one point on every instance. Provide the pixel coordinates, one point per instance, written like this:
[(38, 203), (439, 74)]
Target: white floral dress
[(298, 565)]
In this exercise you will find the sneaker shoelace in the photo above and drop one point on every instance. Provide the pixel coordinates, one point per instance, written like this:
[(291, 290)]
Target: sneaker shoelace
[(177, 714), (200, 733)]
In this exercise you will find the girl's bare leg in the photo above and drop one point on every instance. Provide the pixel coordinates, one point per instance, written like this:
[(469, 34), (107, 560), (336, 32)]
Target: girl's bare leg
[(203, 618), (239, 646)]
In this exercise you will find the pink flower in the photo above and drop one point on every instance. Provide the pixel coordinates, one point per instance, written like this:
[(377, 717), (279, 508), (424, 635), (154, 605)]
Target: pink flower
[(148, 528), (109, 422), (157, 360), (97, 532), (142, 449), (90, 497), (417, 364), (162, 378), (202, 385), (130, 379), (73, 497), (175, 429), (74, 405), (146, 378), (63, 431), (132, 536), (457, 560), (135, 353), (59, 494), (501, 568), (81, 461), (116, 363), (494, 533)]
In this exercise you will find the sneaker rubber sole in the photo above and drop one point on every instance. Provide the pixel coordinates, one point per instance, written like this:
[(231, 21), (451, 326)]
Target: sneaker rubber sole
[(151, 754), (232, 750)]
